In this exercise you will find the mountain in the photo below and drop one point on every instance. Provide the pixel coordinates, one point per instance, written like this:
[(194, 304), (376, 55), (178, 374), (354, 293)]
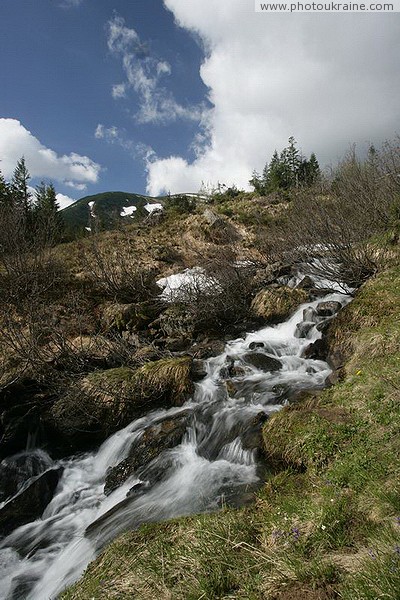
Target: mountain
[(106, 208)]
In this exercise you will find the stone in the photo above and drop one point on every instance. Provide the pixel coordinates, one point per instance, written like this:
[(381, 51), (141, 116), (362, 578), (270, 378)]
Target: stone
[(309, 314), (318, 350), (255, 345), (198, 370), (29, 504), (150, 445), (328, 309), (303, 329), (306, 283), (262, 361)]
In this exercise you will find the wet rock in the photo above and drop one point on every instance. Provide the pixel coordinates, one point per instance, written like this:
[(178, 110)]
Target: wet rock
[(252, 435), (310, 315), (323, 326), (207, 348), (262, 361), (143, 451), (319, 292), (16, 470), (306, 283), (105, 401), (176, 344), (30, 502), (255, 345), (303, 329), (198, 370), (328, 309), (231, 369), (318, 350)]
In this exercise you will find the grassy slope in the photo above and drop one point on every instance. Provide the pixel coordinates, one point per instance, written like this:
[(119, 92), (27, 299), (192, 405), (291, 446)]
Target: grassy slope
[(327, 525)]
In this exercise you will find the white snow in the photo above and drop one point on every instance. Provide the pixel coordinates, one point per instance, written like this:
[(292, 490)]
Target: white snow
[(127, 211), (91, 208), (152, 207), (88, 228), (188, 281)]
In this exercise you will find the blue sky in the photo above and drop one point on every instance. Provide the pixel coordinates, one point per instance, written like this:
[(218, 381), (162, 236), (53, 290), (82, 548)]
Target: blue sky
[(153, 95)]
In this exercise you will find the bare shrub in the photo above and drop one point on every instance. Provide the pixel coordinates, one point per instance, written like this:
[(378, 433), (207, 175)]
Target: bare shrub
[(332, 228), (117, 271)]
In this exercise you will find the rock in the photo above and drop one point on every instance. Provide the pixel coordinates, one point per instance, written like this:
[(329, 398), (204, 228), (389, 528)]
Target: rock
[(105, 401), (130, 317), (231, 370), (212, 218), (306, 283), (152, 443), (318, 350), (319, 292), (177, 344), (262, 361), (302, 329), (323, 326), (29, 504), (275, 304), (252, 434), (17, 469), (206, 349), (255, 345), (198, 370), (328, 309), (309, 314)]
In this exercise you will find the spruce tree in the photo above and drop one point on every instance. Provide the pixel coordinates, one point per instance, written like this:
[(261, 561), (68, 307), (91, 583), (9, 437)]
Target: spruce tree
[(5, 192), (19, 187), (48, 220)]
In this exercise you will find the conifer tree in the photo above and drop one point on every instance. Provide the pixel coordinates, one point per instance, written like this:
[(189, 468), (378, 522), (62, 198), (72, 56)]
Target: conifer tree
[(48, 220), (19, 187)]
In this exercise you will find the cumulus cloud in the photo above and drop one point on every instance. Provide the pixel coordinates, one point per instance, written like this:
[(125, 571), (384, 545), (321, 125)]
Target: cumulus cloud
[(329, 80), (71, 169), (144, 74)]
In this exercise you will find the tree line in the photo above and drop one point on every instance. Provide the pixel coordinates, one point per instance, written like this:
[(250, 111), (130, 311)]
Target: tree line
[(287, 170), (37, 213)]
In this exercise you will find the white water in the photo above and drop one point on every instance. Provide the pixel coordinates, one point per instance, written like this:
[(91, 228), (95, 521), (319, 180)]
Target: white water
[(40, 559)]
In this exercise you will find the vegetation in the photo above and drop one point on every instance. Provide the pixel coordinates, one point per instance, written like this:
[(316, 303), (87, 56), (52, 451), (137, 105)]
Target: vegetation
[(286, 170), (326, 525)]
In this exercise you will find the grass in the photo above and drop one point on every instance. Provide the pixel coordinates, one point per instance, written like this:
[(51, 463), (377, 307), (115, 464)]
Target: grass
[(326, 525)]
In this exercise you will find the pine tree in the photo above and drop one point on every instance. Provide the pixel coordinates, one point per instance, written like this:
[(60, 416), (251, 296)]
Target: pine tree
[(19, 187), (5, 192), (47, 218)]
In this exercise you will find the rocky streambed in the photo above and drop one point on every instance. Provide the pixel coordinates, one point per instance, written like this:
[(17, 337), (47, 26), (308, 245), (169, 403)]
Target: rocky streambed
[(56, 514)]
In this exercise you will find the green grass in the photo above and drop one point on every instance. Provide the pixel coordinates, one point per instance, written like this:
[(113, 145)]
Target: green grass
[(326, 525)]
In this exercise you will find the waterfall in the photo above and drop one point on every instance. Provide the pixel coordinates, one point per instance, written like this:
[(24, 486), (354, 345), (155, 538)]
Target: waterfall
[(210, 465)]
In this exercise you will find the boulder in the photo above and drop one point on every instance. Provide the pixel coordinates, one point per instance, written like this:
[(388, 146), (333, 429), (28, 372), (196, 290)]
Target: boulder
[(18, 469), (29, 504), (152, 443), (263, 362), (198, 370), (105, 401), (328, 309), (256, 345), (303, 329), (275, 304), (310, 315), (306, 283), (318, 350)]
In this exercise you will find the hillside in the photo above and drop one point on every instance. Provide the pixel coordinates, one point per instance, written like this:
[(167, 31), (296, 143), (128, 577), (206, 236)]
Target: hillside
[(107, 207)]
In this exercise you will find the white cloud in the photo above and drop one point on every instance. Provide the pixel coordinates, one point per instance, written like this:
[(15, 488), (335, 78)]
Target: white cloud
[(329, 80), (64, 201), (72, 169), (143, 75)]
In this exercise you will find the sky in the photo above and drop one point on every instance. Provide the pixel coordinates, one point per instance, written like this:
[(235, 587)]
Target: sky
[(155, 96)]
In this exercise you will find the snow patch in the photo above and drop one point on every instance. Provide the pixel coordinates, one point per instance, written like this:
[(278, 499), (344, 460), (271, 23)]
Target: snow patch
[(152, 207), (128, 211), (176, 286)]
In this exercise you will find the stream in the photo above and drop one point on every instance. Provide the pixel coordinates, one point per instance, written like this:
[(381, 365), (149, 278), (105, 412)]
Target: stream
[(210, 467)]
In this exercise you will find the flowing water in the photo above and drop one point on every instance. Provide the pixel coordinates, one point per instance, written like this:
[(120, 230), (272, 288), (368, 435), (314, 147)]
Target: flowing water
[(211, 464)]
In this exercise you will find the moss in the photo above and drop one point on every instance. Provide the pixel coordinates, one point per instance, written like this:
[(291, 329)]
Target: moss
[(275, 304)]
